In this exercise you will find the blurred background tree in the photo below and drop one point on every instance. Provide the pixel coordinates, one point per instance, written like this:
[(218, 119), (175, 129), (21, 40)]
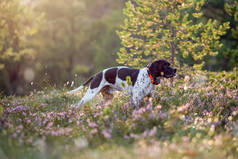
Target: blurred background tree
[(51, 43), (17, 23), (78, 38), (169, 29)]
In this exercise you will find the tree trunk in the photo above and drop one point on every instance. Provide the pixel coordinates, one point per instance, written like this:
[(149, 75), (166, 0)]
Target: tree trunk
[(173, 49), (73, 51), (172, 60), (172, 44), (70, 69), (172, 52)]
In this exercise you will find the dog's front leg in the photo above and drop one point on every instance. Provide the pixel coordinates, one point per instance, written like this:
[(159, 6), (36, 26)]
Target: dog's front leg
[(136, 100)]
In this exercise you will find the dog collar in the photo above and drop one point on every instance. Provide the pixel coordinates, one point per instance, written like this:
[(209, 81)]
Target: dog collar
[(151, 77)]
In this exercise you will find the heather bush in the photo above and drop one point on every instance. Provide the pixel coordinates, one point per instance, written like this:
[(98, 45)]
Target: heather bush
[(193, 117)]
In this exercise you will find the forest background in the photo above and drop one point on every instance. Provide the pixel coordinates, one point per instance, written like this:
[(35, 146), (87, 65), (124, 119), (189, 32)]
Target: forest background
[(47, 43)]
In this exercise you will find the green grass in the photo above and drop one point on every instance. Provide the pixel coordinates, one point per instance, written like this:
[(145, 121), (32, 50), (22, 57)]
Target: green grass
[(196, 118)]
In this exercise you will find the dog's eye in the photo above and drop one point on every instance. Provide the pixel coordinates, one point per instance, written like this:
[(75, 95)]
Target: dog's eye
[(166, 65)]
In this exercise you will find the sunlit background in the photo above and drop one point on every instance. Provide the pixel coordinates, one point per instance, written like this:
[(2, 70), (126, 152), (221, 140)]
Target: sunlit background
[(49, 43), (54, 43)]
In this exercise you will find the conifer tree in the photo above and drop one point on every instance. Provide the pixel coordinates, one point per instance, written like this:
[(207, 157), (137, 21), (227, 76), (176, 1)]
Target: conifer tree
[(231, 8), (168, 29)]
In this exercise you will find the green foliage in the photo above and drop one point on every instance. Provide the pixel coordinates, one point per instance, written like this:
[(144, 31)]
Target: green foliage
[(128, 81), (44, 43), (76, 34), (60, 38), (56, 43), (227, 56), (17, 23), (105, 42), (231, 8), (172, 30)]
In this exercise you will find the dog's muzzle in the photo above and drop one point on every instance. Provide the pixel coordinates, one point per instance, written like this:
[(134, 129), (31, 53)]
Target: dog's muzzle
[(170, 72)]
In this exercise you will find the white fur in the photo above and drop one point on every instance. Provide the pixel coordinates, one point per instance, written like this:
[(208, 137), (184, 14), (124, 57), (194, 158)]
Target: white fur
[(141, 88), (75, 90)]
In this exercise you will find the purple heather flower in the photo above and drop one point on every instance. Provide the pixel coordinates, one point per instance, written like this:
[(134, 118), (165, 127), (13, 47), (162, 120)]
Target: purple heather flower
[(107, 133), (92, 124), (19, 108)]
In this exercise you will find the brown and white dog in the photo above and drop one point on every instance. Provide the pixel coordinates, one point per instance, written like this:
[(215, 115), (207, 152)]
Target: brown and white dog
[(143, 81)]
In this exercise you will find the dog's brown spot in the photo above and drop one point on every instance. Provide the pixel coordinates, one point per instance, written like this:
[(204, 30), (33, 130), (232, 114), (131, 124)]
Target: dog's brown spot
[(106, 93), (131, 72), (110, 75), (96, 81), (146, 99)]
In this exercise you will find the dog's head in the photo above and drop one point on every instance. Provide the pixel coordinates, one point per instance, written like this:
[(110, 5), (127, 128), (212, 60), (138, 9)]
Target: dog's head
[(162, 68)]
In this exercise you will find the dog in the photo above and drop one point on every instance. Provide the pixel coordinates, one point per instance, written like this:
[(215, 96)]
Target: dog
[(142, 81)]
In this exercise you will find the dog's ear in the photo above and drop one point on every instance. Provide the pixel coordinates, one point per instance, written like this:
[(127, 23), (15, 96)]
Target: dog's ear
[(156, 68)]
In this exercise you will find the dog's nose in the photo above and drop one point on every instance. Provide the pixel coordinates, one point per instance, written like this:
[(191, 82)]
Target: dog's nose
[(175, 70)]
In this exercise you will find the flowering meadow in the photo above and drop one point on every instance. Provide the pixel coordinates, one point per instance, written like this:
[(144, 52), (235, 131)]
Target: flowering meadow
[(194, 116)]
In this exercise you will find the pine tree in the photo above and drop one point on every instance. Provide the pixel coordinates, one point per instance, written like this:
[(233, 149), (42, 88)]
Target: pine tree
[(231, 8), (168, 29)]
